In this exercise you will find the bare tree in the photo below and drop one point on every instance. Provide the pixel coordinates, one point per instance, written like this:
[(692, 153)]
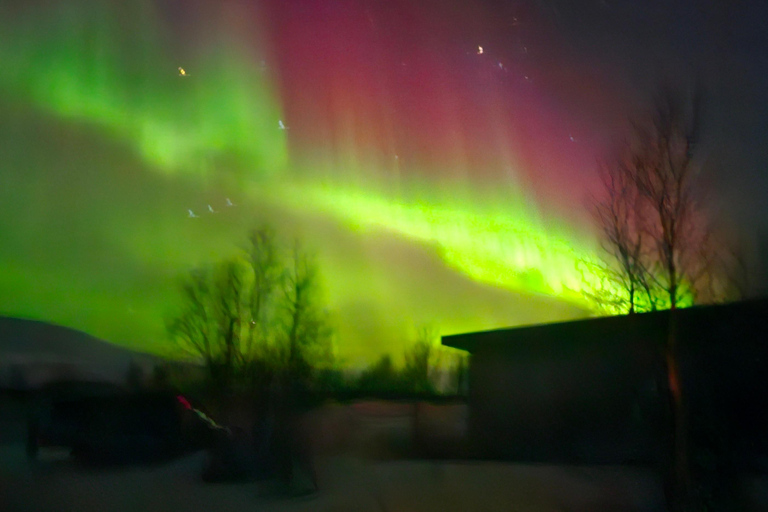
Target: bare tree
[(229, 303), (192, 327), (626, 282), (209, 325), (421, 359), (662, 168), (235, 319), (307, 330), (656, 232), (264, 262)]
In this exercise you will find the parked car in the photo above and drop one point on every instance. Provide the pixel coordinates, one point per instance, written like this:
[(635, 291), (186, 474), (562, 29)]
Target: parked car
[(102, 422)]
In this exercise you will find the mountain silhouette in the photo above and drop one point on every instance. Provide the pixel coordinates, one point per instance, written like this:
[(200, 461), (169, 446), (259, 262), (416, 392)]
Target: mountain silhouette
[(33, 352)]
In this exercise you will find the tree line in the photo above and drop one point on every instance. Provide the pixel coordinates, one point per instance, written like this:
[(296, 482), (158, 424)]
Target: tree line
[(262, 313)]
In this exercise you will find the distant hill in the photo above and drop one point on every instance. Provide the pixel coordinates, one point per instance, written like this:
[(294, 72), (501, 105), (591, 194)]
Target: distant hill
[(34, 352)]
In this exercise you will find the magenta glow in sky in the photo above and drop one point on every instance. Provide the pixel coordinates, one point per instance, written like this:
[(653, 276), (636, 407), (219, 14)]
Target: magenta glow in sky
[(439, 184)]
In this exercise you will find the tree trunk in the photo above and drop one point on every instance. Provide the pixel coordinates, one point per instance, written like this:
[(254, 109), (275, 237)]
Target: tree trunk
[(672, 273), (681, 496)]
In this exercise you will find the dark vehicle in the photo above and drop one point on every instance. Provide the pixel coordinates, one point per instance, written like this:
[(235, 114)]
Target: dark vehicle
[(104, 423)]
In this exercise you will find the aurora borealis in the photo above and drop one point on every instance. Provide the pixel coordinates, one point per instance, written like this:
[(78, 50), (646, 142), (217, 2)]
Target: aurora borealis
[(437, 184), (110, 65)]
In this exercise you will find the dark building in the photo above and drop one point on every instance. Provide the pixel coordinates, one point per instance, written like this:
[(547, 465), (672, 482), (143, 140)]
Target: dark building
[(594, 390)]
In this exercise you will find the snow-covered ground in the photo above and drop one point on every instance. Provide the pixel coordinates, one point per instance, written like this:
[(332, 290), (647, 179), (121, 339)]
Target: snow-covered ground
[(347, 484), (351, 473)]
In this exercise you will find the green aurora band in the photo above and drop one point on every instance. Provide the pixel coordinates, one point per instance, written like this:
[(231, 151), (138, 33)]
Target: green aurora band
[(506, 246), (106, 66), (225, 114)]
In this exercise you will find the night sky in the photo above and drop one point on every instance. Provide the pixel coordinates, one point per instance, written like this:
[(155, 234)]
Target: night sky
[(437, 155)]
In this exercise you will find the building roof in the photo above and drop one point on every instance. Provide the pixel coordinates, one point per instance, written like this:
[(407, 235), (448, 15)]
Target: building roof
[(745, 315)]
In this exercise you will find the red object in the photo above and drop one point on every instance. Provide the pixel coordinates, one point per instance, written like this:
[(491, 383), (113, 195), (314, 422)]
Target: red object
[(183, 401)]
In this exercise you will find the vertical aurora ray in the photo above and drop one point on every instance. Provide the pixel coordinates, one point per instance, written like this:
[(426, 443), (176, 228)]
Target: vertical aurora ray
[(393, 126), (105, 147), (423, 137)]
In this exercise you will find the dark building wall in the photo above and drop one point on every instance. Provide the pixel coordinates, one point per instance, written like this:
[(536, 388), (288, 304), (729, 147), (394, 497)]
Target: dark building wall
[(595, 391), (725, 372), (592, 402)]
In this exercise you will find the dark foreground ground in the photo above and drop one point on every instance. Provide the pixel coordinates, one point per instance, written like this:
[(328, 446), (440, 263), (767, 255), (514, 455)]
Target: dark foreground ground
[(358, 471), (347, 484)]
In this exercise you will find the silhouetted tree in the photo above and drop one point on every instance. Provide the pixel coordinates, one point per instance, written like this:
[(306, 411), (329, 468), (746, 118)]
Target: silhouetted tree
[(381, 377), (229, 309), (192, 328), (235, 319), (662, 167), (209, 326), (626, 283), (657, 233), (265, 264), (420, 361), (306, 326)]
